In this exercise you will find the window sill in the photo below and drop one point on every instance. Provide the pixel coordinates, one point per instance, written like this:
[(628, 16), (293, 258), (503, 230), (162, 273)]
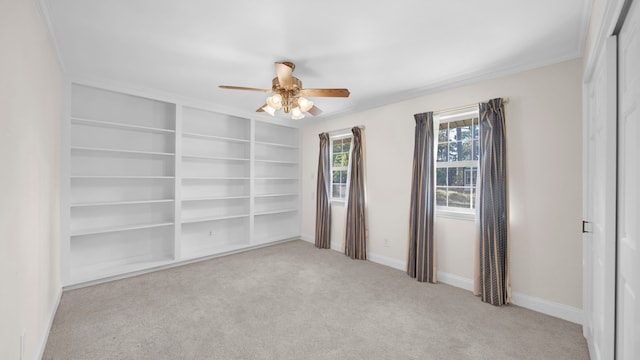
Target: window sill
[(337, 202), (450, 214)]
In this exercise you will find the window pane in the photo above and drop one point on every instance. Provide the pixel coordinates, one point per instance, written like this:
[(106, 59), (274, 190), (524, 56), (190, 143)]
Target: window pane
[(459, 197), (343, 176), (453, 151), (442, 132), (337, 146), (456, 176), (464, 150), (476, 129), (335, 177), (476, 150), (441, 196), (470, 176), (346, 146), (335, 189), (460, 130), (443, 151), (441, 176), (343, 191)]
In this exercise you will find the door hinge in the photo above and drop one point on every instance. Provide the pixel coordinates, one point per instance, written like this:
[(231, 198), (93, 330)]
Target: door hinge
[(584, 226)]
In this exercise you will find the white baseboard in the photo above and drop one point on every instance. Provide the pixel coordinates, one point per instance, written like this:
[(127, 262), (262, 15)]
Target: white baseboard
[(383, 260), (307, 238), (455, 280), (52, 315), (543, 306), (550, 308)]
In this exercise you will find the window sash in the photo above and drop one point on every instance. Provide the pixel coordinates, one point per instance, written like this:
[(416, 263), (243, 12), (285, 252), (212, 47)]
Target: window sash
[(470, 189)]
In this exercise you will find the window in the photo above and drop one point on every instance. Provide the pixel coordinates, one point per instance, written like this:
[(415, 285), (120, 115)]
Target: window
[(340, 146), (457, 160)]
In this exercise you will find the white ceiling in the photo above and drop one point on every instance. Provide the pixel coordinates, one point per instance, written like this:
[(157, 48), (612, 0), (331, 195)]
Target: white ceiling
[(382, 51)]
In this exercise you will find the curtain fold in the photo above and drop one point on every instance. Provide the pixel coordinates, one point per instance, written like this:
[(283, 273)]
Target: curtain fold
[(323, 195), (356, 224), (421, 262), (492, 268)]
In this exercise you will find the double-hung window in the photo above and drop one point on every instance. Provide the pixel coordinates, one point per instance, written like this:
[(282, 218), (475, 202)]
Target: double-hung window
[(340, 151), (457, 160)]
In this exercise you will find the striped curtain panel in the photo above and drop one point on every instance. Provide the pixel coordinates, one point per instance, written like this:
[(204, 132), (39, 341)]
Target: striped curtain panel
[(421, 263), (323, 200), (492, 276), (356, 235)]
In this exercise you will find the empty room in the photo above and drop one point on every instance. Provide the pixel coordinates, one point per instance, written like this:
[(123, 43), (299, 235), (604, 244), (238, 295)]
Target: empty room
[(319, 179)]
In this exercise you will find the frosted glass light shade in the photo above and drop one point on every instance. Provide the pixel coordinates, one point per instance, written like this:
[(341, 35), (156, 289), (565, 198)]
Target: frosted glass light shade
[(305, 104), (275, 101), (296, 113), (268, 109)]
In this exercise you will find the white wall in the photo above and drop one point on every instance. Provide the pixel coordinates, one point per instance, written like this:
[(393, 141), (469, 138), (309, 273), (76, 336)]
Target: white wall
[(30, 116), (545, 174)]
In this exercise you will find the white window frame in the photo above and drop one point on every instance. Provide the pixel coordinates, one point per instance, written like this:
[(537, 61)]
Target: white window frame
[(332, 138), (447, 117)]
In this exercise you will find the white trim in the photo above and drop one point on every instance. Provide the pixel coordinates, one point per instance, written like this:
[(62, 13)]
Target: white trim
[(46, 18), (387, 261), (307, 238), (52, 315), (455, 280), (444, 212), (543, 306), (550, 308)]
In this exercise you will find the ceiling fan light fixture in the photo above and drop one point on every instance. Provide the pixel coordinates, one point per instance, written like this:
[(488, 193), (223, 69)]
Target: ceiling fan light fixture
[(269, 110), (305, 104), (296, 113), (275, 101)]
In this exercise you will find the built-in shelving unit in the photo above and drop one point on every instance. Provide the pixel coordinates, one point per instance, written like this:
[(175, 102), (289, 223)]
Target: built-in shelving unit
[(276, 182), (122, 160), (154, 183)]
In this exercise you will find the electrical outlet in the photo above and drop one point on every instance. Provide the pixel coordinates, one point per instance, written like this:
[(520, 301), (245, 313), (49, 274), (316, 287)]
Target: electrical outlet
[(387, 242)]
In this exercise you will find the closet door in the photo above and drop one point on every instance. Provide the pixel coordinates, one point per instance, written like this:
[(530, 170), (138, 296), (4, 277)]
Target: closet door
[(599, 204), (628, 306)]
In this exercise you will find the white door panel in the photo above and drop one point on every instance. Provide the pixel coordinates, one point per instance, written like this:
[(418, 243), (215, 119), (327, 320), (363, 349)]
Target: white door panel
[(628, 315), (599, 205)]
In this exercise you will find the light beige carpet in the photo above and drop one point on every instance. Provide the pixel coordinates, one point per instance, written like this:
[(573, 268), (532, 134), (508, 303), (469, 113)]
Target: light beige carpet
[(293, 301)]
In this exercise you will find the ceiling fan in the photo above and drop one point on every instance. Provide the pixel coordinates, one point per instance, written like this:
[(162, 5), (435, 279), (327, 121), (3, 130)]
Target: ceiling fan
[(288, 93)]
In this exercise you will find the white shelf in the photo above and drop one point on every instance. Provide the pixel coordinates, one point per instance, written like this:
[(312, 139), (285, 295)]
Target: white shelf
[(213, 137), (100, 271), (115, 203), (110, 124), (276, 144), (276, 178), (214, 218), (277, 162), (206, 157), (135, 152), (213, 178), (120, 177), (275, 212), (190, 254), (214, 198), (276, 195), (118, 228)]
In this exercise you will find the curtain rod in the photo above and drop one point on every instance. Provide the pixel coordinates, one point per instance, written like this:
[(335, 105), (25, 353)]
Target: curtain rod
[(505, 100), (334, 132)]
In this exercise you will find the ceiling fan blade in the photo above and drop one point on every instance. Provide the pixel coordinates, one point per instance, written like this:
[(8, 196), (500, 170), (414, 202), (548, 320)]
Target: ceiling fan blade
[(315, 111), (261, 108), (242, 88), (285, 75), (325, 92)]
